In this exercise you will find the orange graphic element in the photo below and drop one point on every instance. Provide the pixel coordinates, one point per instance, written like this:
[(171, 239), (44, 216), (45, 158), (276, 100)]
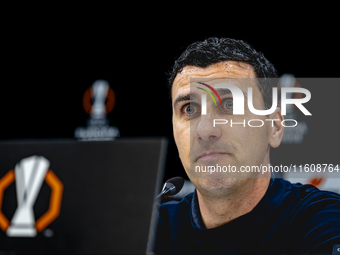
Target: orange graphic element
[(4, 183), (316, 181), (55, 200), (109, 103)]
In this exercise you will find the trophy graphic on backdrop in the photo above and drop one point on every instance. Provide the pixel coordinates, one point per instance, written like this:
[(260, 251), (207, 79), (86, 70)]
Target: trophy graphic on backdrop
[(99, 90), (29, 174), (98, 101)]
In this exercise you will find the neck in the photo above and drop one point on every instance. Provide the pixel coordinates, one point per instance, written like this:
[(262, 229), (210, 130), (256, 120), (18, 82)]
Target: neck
[(219, 211)]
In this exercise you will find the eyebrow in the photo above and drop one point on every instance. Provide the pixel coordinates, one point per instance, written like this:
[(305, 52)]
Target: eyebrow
[(186, 97), (225, 91), (194, 96)]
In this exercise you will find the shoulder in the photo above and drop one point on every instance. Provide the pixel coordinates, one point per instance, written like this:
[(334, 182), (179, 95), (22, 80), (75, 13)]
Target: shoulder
[(314, 218), (308, 196), (172, 216), (309, 200), (176, 208)]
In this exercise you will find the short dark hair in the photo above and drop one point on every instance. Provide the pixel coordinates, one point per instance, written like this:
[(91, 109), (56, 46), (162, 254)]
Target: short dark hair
[(214, 50)]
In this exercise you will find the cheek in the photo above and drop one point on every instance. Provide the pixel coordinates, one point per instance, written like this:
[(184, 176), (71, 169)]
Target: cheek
[(182, 137), (257, 143), (250, 142)]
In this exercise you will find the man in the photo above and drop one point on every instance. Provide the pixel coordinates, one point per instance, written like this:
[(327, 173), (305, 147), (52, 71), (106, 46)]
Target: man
[(236, 212)]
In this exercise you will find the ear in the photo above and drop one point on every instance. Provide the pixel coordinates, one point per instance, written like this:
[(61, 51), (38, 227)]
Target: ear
[(276, 128)]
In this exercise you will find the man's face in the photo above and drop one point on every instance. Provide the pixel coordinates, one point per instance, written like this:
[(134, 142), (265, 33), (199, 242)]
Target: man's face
[(201, 144)]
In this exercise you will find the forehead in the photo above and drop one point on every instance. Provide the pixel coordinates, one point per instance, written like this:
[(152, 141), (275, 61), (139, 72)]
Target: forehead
[(227, 69)]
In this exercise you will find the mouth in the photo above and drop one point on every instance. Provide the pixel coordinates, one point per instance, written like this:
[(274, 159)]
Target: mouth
[(210, 155)]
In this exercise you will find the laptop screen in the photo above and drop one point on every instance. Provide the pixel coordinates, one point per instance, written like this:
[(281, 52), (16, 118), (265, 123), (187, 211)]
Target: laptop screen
[(65, 196)]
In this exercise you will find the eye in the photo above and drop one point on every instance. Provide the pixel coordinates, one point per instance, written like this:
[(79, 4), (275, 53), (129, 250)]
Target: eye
[(229, 104), (190, 109)]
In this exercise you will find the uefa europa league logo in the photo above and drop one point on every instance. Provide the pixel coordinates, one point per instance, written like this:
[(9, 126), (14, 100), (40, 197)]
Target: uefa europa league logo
[(98, 101), (29, 174)]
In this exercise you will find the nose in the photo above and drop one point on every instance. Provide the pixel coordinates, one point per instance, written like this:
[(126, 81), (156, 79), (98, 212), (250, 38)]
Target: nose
[(205, 130)]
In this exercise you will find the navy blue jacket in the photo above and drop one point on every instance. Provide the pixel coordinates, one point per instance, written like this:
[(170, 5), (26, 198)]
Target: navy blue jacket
[(289, 219)]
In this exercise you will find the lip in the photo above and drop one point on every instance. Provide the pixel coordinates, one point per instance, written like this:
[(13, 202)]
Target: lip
[(210, 155)]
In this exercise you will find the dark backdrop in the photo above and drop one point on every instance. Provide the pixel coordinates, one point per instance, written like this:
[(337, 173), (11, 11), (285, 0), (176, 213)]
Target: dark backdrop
[(49, 62)]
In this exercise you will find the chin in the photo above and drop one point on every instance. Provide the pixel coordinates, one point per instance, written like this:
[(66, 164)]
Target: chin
[(216, 187)]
